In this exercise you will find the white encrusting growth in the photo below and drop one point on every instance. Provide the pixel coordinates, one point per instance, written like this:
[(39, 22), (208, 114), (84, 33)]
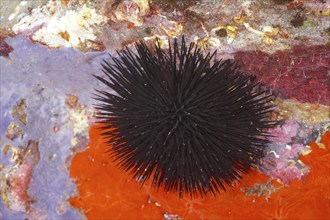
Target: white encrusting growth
[(56, 26)]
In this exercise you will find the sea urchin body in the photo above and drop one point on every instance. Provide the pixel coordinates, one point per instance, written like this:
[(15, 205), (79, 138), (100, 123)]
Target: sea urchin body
[(192, 122)]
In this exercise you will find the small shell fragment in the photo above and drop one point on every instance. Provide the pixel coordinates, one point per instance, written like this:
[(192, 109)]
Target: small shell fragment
[(162, 40), (270, 31), (231, 33), (173, 31)]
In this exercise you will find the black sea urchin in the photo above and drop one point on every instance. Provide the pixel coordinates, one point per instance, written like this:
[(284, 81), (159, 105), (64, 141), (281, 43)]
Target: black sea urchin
[(192, 122)]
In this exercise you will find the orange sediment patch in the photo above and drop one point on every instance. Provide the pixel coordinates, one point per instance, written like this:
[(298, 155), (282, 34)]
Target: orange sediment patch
[(106, 192)]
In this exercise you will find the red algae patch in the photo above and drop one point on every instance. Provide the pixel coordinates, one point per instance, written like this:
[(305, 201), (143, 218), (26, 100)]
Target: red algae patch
[(299, 73), (105, 192)]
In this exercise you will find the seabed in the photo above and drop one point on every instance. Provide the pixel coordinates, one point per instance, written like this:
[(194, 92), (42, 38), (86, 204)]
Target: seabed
[(53, 160)]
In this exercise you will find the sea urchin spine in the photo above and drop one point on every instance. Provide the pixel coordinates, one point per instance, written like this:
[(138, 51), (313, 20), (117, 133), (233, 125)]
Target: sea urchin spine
[(192, 122)]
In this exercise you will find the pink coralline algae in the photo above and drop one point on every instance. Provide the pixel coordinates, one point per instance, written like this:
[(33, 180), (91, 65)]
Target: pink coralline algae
[(15, 183), (284, 134), (300, 73), (282, 160)]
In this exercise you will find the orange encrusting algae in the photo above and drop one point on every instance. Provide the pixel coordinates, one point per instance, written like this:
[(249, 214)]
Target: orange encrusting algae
[(106, 192)]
